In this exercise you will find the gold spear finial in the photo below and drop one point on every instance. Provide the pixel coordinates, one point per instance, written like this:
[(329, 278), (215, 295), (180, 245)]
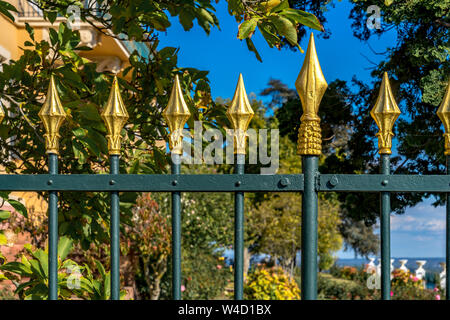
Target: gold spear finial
[(115, 116), (176, 114), (52, 115), (385, 113), (311, 86), (444, 114), (2, 113), (240, 113)]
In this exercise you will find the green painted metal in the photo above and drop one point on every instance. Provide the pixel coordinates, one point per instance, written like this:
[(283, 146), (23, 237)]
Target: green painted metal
[(385, 229), (225, 183), (176, 231), (239, 232), (115, 233), (53, 232), (380, 183), (309, 229), (310, 183), (447, 241), (153, 183)]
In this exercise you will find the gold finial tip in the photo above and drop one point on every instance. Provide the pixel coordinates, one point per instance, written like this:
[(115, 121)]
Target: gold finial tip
[(115, 115), (240, 113), (311, 86), (52, 115), (444, 114), (385, 112), (176, 114)]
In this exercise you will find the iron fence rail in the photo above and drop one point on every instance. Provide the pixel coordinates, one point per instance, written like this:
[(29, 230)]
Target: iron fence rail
[(224, 183)]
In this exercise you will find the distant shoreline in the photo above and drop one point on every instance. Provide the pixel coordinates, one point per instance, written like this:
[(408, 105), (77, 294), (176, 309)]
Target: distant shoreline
[(432, 264)]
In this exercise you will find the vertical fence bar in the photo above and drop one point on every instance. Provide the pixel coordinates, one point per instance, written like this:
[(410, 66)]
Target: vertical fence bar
[(176, 114), (385, 206), (447, 240), (239, 233), (385, 112), (115, 233), (115, 116), (52, 115), (309, 229), (53, 232), (443, 113), (240, 113), (176, 233), (311, 86)]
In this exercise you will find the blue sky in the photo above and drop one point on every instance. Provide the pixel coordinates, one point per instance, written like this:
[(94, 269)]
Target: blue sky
[(421, 231)]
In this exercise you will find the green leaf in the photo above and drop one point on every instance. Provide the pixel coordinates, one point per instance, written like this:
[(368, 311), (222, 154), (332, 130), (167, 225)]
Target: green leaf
[(64, 247), (107, 286), (247, 28), (5, 9), (266, 30), (3, 239), (186, 18), (19, 207), (30, 30), (53, 36), (51, 15), (42, 257), (283, 5), (17, 268), (251, 47), (305, 18), (285, 28), (4, 215), (100, 268)]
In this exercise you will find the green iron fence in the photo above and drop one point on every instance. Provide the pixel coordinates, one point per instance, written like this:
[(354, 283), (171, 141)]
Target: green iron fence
[(311, 86)]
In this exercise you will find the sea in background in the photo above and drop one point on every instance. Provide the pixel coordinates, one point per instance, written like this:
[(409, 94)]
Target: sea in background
[(432, 264)]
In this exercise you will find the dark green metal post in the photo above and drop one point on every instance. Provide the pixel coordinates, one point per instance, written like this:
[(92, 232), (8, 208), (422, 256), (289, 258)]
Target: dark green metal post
[(176, 233), (309, 229), (447, 242), (239, 233), (53, 233), (115, 234), (385, 204)]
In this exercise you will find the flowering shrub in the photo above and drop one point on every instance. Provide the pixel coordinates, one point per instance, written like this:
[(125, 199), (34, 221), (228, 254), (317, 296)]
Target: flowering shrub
[(270, 284), (402, 278)]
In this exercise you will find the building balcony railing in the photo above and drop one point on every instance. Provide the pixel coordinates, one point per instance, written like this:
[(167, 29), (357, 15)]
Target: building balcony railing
[(27, 9)]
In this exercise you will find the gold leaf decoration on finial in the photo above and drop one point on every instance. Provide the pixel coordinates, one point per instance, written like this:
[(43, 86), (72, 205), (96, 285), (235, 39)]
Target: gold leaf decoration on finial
[(311, 86), (385, 113), (240, 113), (115, 116), (2, 113), (176, 114), (444, 114), (52, 115)]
